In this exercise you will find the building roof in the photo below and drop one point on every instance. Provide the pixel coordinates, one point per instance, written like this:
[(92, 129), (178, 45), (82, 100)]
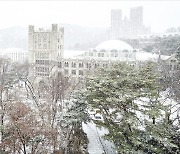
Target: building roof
[(114, 45), (143, 56), (13, 50), (74, 53)]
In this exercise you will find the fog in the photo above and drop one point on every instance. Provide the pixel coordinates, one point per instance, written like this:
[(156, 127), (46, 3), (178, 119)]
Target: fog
[(159, 15)]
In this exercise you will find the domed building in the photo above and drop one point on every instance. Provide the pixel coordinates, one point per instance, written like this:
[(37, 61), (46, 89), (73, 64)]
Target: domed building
[(78, 64), (112, 50), (50, 59), (114, 45)]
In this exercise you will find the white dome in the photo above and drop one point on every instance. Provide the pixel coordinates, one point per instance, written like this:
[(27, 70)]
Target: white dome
[(114, 45)]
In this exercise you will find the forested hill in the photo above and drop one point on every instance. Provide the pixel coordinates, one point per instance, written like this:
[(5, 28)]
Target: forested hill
[(167, 45)]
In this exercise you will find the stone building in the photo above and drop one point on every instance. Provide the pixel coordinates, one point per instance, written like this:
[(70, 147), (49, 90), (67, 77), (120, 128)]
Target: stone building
[(170, 66), (113, 50), (45, 48), (103, 56), (47, 56), (14, 54)]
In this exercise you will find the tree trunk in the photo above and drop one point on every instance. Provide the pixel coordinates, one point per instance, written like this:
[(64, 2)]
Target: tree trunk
[(154, 121)]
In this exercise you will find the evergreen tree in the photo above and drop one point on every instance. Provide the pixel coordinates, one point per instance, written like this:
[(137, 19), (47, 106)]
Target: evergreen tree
[(178, 54), (129, 101), (74, 117)]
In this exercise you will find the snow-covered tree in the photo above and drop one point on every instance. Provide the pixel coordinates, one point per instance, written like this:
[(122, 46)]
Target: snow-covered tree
[(74, 117), (8, 78), (129, 101), (35, 118)]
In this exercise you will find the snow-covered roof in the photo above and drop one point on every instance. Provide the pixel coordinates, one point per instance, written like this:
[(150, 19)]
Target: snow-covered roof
[(173, 56), (140, 56), (143, 56), (14, 50), (114, 45), (73, 53)]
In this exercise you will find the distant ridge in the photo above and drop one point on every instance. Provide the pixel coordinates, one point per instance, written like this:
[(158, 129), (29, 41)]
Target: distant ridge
[(76, 37)]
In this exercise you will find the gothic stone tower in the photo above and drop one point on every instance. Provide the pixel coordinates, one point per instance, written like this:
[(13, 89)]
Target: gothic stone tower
[(45, 48)]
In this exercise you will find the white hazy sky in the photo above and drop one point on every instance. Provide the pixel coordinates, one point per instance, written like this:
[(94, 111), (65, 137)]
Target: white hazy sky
[(157, 14)]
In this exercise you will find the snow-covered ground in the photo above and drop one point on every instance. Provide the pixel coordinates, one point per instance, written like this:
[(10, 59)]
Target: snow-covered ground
[(97, 145)]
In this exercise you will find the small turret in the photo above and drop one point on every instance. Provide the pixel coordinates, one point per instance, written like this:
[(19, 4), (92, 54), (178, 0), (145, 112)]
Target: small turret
[(31, 28), (54, 27)]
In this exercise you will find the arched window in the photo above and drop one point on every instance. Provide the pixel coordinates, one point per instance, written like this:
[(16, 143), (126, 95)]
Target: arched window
[(80, 65), (66, 64), (73, 64), (102, 50), (91, 54), (59, 64), (125, 50), (114, 53)]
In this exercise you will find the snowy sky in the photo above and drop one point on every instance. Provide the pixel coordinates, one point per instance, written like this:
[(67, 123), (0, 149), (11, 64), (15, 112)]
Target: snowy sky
[(157, 14)]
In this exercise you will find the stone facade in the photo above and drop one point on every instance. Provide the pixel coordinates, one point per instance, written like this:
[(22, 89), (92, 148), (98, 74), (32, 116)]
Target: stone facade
[(45, 48), (46, 55)]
